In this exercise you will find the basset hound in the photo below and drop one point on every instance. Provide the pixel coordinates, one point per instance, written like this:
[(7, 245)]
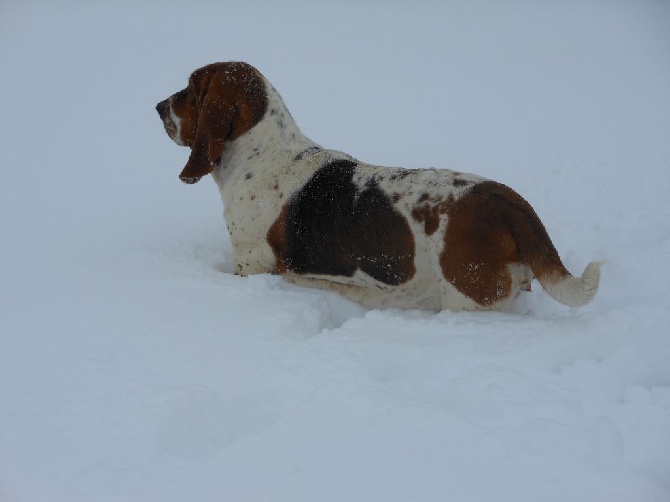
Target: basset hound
[(430, 239)]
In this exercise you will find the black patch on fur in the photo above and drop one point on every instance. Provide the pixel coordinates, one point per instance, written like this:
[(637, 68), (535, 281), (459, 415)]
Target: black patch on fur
[(334, 228)]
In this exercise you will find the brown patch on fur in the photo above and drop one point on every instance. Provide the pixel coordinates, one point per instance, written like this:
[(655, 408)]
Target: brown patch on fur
[(276, 238), (222, 102), (429, 213), (490, 227)]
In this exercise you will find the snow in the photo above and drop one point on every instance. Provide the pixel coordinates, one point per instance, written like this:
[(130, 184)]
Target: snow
[(134, 366)]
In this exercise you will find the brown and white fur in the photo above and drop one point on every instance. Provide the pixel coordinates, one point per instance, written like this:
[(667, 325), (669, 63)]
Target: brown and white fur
[(386, 237)]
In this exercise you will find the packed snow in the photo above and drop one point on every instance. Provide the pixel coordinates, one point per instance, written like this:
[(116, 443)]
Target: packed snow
[(134, 366)]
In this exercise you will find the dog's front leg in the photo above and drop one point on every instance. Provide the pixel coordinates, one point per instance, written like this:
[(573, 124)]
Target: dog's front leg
[(252, 259)]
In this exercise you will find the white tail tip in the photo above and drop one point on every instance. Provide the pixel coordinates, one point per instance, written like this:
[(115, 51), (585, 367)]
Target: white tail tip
[(576, 291)]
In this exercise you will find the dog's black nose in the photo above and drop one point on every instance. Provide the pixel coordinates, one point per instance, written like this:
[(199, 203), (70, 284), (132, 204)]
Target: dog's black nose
[(162, 108)]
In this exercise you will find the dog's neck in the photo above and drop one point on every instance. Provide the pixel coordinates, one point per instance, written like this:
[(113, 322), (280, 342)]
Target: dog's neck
[(275, 140)]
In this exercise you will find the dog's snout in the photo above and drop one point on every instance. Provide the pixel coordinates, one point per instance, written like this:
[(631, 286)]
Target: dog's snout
[(162, 108)]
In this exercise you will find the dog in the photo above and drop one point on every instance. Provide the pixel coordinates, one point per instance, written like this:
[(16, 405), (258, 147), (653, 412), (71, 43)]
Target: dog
[(428, 239)]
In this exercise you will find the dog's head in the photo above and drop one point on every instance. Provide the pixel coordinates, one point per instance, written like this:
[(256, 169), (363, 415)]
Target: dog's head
[(221, 102)]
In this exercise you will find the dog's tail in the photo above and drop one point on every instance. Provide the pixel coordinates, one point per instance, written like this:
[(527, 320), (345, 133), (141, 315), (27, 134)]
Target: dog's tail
[(569, 290), (538, 252)]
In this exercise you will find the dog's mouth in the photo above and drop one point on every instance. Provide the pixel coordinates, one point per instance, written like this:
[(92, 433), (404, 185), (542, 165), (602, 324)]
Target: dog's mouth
[(170, 127), (190, 180), (163, 109)]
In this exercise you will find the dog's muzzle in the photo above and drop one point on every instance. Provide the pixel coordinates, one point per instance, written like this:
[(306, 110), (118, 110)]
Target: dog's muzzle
[(163, 109)]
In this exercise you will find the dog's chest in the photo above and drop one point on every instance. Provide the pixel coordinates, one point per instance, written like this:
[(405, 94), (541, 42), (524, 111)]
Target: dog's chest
[(255, 186)]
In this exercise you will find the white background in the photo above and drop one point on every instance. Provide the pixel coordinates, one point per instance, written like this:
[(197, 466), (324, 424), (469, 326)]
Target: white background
[(135, 367)]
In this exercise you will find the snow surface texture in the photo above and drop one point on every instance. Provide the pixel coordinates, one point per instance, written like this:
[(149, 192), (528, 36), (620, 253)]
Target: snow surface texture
[(135, 367)]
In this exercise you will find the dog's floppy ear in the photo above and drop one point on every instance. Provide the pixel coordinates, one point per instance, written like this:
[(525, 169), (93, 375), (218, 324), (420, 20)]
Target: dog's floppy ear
[(215, 115), (230, 99)]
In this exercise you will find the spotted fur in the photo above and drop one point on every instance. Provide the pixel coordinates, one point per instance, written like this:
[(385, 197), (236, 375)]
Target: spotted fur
[(387, 237)]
